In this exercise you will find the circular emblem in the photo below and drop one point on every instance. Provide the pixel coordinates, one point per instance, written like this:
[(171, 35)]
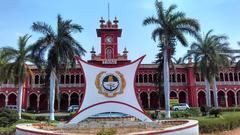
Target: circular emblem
[(110, 84)]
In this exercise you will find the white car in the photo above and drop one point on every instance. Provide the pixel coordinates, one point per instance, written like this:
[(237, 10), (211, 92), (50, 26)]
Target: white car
[(14, 107), (181, 106), (73, 108)]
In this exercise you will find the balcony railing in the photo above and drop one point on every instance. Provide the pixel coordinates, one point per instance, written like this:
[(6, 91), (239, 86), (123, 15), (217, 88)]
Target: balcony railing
[(61, 85), (8, 86), (171, 84), (220, 83)]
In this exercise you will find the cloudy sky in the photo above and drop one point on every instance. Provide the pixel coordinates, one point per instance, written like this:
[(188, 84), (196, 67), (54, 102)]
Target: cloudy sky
[(17, 17)]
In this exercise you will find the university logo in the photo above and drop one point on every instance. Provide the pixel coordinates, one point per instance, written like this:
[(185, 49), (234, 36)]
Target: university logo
[(110, 84)]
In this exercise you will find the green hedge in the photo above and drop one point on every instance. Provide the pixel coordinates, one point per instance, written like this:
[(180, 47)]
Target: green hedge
[(30, 116), (10, 130), (193, 112), (227, 121)]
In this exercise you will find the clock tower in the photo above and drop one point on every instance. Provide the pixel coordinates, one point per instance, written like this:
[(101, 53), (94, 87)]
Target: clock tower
[(109, 34)]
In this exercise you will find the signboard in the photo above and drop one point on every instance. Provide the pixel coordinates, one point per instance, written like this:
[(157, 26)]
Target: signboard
[(109, 61), (174, 101)]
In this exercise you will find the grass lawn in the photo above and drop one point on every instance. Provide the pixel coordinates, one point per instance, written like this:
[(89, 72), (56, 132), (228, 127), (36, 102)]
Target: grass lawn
[(11, 129), (226, 121)]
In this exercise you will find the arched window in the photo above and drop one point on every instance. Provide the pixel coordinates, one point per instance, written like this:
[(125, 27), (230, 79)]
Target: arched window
[(136, 78), (62, 79), (197, 77), (230, 76), (178, 78), (36, 79), (173, 78), (67, 79), (183, 78), (235, 77), (82, 79), (140, 78), (221, 77), (150, 78), (145, 78), (109, 53), (72, 79), (77, 79), (155, 77), (226, 76), (42, 79)]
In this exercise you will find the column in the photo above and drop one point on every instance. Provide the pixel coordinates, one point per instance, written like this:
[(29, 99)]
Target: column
[(38, 99), (149, 101), (28, 102), (6, 100), (226, 100), (236, 103), (69, 100)]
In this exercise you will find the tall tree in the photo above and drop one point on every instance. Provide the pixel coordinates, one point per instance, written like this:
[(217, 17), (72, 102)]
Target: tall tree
[(60, 47), (15, 68), (171, 26), (209, 54)]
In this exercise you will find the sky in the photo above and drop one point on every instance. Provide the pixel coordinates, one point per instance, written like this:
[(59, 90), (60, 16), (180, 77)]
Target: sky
[(17, 16)]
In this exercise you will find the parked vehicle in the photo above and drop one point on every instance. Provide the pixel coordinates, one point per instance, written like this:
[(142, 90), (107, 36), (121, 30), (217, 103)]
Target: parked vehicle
[(14, 107), (73, 108), (181, 106)]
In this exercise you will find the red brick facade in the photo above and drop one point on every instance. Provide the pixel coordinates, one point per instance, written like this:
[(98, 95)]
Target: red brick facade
[(187, 86)]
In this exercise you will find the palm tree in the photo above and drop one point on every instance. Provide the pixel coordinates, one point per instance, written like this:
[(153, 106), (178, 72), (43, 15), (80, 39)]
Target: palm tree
[(210, 56), (16, 68), (60, 48), (171, 26), (178, 61)]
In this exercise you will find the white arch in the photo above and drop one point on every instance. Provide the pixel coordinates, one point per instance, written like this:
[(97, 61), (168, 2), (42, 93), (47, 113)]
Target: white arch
[(12, 93), (74, 92), (3, 94)]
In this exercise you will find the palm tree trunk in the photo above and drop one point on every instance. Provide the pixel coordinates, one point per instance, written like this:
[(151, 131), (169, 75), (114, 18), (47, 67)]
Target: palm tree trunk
[(20, 91), (166, 83), (207, 85), (215, 93), (58, 96), (52, 94)]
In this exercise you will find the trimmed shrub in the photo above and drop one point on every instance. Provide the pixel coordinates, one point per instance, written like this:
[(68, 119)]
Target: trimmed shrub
[(28, 116), (203, 110), (227, 121), (214, 112), (152, 114), (7, 117)]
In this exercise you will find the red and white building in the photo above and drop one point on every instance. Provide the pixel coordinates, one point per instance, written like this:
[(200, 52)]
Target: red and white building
[(187, 86)]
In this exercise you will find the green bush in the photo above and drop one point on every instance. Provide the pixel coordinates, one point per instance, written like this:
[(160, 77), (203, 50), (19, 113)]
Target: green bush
[(230, 109), (110, 131), (41, 118), (28, 116), (7, 117), (203, 110), (214, 112), (12, 129), (227, 121), (152, 114), (193, 112)]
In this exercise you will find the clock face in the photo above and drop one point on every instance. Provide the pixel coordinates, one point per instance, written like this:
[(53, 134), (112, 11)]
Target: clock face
[(108, 39)]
